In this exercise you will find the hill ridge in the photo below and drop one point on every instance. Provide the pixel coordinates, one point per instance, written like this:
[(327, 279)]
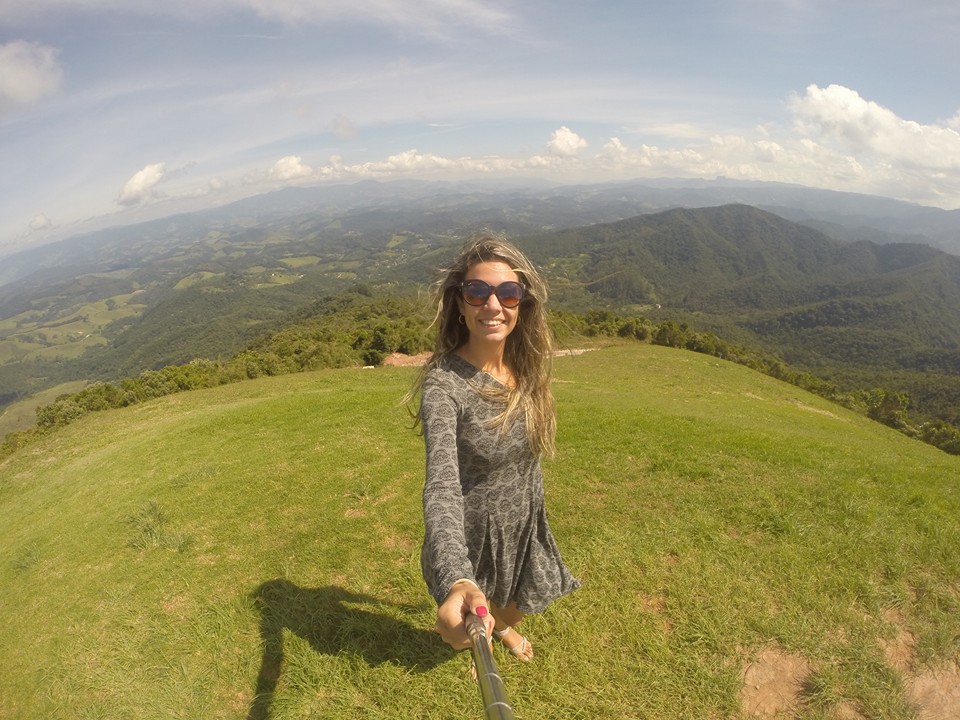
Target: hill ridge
[(263, 536)]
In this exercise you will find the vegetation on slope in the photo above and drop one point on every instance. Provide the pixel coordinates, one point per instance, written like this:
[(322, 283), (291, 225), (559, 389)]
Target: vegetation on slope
[(360, 328), (251, 551), (859, 314)]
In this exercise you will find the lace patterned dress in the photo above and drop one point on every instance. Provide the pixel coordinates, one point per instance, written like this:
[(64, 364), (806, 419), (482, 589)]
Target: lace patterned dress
[(483, 503)]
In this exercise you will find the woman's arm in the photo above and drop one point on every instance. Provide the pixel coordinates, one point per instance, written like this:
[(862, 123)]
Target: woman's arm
[(445, 559)]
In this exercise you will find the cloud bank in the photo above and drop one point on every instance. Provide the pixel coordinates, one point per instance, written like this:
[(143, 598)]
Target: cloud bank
[(835, 139), (832, 138)]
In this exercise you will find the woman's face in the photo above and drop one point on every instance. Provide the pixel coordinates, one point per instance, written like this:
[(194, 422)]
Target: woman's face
[(490, 322)]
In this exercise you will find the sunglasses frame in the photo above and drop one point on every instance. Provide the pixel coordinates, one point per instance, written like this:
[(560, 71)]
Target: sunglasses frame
[(494, 290)]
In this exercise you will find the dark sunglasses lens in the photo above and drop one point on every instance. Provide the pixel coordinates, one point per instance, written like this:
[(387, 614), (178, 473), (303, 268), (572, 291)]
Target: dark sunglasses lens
[(476, 292), (510, 294)]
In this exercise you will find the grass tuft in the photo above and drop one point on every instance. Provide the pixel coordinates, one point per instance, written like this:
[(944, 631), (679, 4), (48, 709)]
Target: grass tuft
[(151, 530), (26, 557)]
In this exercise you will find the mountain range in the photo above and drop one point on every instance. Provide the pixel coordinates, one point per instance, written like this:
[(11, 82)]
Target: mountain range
[(852, 287)]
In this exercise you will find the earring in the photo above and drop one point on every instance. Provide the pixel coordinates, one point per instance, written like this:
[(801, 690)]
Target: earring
[(463, 320)]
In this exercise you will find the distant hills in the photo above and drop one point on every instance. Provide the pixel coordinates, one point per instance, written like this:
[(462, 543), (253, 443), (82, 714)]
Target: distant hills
[(787, 285), (856, 288)]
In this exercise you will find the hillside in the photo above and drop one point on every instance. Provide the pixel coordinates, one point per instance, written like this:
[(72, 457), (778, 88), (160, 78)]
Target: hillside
[(860, 314), (209, 285), (251, 551)]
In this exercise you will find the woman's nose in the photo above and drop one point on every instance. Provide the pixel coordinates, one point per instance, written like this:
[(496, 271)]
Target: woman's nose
[(493, 302)]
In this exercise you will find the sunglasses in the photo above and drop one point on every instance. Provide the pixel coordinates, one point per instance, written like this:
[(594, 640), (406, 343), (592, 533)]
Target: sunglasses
[(477, 292)]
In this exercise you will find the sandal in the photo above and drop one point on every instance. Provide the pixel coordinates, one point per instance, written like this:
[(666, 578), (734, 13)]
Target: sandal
[(522, 650)]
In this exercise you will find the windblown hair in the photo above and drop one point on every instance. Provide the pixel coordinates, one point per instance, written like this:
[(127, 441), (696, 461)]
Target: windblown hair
[(529, 348)]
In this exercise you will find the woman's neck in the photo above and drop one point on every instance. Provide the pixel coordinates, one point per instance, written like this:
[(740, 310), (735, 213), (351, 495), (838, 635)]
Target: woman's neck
[(489, 359)]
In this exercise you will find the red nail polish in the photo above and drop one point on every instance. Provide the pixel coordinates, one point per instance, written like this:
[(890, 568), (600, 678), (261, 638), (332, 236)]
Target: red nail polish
[(481, 611)]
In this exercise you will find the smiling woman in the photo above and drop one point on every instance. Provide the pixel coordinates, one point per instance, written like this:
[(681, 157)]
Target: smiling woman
[(487, 415)]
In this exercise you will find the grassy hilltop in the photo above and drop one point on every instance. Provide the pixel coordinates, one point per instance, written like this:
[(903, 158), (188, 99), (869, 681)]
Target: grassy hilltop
[(251, 551)]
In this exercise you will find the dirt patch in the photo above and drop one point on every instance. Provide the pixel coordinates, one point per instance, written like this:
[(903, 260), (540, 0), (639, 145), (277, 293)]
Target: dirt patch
[(936, 692), (900, 650), (572, 351), (401, 360), (773, 684)]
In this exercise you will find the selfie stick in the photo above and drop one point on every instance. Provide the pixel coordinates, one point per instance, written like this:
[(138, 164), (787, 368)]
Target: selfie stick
[(495, 705)]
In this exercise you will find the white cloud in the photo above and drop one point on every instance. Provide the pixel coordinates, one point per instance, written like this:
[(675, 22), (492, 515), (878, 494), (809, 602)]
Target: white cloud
[(404, 163), (566, 143), (803, 153), (834, 139), (29, 72), (140, 188), (290, 167), (213, 186), (840, 114), (40, 222)]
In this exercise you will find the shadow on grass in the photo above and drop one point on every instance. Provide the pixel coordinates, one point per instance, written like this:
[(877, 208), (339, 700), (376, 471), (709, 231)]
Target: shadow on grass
[(327, 619)]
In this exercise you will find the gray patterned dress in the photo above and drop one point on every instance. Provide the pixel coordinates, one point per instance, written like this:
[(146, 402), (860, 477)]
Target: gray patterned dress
[(483, 498)]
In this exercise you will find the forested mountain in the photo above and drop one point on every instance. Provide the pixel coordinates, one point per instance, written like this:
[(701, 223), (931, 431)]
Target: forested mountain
[(759, 276), (208, 285)]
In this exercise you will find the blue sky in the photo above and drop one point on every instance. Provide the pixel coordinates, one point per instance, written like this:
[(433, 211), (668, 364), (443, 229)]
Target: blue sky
[(114, 111)]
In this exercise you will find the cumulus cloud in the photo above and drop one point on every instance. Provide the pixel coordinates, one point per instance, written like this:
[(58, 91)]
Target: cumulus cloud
[(566, 143), (838, 113), (29, 72), (40, 222), (213, 186), (871, 149), (140, 188), (833, 138), (290, 167)]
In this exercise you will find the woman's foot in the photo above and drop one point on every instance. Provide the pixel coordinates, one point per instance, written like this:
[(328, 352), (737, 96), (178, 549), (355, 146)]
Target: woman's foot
[(516, 643), (473, 663)]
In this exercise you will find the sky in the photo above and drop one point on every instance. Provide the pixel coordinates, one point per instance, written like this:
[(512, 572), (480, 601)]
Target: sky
[(115, 111)]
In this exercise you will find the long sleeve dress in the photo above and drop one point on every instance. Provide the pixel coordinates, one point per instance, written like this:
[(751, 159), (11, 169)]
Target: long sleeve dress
[(483, 503)]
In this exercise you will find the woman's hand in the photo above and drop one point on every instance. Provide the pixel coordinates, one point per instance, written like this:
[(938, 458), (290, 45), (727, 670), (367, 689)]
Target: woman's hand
[(464, 599)]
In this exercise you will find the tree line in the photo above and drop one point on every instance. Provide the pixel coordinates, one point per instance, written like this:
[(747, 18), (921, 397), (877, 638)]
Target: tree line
[(360, 327)]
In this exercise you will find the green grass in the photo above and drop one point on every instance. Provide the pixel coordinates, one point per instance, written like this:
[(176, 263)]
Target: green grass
[(301, 261), (63, 333), (195, 278), (252, 552), (22, 414)]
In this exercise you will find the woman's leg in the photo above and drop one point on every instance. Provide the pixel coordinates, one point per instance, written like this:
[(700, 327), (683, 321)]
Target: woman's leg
[(507, 618)]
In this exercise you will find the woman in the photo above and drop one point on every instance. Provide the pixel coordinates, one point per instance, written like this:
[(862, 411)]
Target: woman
[(487, 415)]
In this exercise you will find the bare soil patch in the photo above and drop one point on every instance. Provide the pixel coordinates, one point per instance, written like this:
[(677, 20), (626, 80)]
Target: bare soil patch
[(401, 360), (773, 684), (936, 692)]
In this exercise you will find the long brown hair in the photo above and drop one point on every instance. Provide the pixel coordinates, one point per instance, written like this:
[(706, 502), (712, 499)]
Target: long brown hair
[(529, 348)]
